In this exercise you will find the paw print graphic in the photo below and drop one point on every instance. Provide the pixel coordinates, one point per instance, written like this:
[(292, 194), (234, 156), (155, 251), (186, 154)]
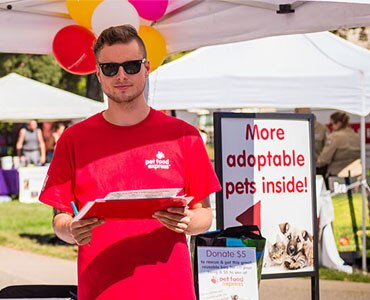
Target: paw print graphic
[(160, 155), (214, 279)]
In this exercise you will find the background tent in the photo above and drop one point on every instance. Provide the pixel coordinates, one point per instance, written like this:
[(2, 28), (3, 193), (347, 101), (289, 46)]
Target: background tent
[(23, 99), (318, 70), (30, 26)]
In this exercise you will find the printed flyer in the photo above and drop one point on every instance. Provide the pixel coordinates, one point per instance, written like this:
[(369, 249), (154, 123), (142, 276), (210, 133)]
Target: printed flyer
[(227, 273)]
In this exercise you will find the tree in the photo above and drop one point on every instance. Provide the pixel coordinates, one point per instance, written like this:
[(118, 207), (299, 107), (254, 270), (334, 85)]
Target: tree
[(175, 56), (93, 89), (42, 68), (359, 35)]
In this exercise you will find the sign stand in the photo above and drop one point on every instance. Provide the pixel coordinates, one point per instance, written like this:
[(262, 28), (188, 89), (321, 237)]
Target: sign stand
[(265, 163)]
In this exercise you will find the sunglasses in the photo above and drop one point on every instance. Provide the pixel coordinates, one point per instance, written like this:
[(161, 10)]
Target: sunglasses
[(131, 67)]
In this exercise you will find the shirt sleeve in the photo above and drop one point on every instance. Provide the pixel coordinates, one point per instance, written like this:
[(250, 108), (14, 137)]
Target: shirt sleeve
[(327, 154), (57, 189), (200, 177)]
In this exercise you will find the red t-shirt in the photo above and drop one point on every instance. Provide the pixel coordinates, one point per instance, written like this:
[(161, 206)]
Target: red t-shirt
[(130, 259)]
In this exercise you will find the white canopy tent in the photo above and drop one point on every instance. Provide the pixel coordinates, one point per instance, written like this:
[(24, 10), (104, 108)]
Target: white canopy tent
[(29, 26), (318, 70), (23, 99)]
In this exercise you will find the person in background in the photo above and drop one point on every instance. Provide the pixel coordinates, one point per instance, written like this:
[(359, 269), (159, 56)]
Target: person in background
[(342, 146), (30, 145), (3, 139), (130, 146), (58, 129), (320, 138)]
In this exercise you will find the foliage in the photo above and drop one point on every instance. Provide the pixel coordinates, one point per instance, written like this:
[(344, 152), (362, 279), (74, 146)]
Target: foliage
[(329, 274), (42, 68), (359, 35), (73, 83), (175, 56)]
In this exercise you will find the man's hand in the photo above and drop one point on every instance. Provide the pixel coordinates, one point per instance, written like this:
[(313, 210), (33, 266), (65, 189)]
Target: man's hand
[(175, 218), (192, 220), (81, 230), (74, 232)]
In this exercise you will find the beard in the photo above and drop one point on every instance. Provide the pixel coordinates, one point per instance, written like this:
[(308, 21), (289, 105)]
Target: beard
[(124, 98)]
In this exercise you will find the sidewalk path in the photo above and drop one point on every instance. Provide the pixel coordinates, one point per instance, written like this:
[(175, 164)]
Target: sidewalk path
[(18, 267)]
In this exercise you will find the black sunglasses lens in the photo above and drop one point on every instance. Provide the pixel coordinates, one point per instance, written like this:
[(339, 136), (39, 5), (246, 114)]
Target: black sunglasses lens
[(132, 67), (109, 69)]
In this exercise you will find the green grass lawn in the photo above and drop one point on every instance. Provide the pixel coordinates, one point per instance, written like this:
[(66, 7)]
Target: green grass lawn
[(329, 274), (28, 227), (342, 224)]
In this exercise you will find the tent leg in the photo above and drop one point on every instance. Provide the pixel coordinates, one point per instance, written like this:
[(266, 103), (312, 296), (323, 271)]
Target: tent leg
[(363, 191)]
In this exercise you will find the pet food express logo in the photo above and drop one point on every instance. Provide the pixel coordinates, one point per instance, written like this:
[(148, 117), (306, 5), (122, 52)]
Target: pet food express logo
[(160, 162)]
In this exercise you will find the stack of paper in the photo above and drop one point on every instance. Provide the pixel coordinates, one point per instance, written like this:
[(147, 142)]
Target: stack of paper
[(133, 204)]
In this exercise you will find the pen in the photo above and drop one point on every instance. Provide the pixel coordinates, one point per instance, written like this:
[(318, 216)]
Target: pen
[(75, 210)]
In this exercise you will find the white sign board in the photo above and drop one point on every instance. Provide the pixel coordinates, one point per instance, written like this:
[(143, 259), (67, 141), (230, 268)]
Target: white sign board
[(31, 180), (227, 273), (265, 165)]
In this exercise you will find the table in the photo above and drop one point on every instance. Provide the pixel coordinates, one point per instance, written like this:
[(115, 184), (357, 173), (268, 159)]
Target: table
[(9, 182)]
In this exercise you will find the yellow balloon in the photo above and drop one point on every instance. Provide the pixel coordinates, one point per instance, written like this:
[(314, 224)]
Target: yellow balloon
[(82, 10), (155, 45)]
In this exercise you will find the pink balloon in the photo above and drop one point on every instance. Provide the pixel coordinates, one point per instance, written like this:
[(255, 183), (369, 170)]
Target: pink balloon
[(150, 9)]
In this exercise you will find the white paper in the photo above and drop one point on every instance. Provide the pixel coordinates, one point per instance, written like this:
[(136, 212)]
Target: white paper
[(143, 194), (227, 273)]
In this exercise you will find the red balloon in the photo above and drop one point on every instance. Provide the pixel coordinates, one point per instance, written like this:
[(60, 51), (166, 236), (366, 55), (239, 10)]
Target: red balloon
[(73, 49)]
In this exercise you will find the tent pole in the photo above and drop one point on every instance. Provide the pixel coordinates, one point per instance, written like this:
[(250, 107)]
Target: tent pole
[(363, 191)]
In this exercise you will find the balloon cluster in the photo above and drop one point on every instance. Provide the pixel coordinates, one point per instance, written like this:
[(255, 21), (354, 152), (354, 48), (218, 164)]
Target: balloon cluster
[(73, 44)]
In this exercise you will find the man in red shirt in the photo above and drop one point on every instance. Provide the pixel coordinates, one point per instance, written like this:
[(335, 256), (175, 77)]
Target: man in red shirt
[(130, 146)]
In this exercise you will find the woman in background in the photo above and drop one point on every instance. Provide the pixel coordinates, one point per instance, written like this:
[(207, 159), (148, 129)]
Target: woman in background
[(342, 146), (30, 144)]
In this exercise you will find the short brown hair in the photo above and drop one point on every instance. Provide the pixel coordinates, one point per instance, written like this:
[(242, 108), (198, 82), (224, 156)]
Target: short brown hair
[(340, 117), (122, 34)]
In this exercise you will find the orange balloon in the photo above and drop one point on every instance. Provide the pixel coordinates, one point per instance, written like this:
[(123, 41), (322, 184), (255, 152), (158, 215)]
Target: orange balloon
[(82, 10), (155, 45)]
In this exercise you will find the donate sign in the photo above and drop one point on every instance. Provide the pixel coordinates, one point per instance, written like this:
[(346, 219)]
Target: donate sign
[(264, 162), (227, 273)]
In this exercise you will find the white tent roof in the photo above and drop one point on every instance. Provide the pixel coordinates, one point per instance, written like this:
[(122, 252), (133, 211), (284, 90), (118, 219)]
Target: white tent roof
[(22, 99), (316, 70), (30, 26)]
